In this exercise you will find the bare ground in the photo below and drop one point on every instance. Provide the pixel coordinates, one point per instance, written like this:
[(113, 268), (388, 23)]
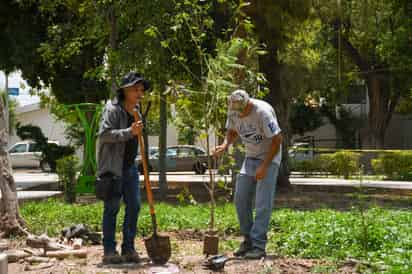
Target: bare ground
[(187, 245), (187, 258)]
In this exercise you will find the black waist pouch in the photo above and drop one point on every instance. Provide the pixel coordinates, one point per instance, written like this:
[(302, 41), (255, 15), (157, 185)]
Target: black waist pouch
[(108, 186)]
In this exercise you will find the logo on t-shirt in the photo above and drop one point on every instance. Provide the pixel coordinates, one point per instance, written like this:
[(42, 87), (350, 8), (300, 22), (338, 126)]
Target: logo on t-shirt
[(258, 138), (272, 127)]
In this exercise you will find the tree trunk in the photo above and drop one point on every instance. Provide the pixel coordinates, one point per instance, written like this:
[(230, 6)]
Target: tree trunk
[(382, 98), (270, 65), (10, 221), (163, 145), (381, 109)]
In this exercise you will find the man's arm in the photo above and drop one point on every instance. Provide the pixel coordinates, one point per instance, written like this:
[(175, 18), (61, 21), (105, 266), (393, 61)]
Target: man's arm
[(231, 136), (274, 149), (109, 133)]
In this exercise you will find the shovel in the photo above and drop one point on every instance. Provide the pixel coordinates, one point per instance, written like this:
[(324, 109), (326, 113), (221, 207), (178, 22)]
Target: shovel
[(217, 263), (157, 246)]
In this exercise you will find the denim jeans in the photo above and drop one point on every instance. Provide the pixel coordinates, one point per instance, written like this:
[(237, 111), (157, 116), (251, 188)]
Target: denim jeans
[(131, 197), (262, 192)]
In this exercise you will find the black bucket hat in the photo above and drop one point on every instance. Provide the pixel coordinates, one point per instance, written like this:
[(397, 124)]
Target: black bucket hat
[(132, 78)]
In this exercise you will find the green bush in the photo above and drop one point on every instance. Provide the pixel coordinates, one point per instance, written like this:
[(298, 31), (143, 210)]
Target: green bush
[(308, 167), (342, 163), (394, 165), (67, 169), (50, 152)]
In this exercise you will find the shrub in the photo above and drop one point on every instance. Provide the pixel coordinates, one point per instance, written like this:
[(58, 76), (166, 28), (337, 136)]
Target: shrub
[(53, 152), (394, 165), (342, 163), (67, 169), (50, 152), (308, 167)]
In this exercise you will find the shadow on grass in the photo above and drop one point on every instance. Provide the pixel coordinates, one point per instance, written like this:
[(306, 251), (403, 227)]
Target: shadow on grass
[(303, 197)]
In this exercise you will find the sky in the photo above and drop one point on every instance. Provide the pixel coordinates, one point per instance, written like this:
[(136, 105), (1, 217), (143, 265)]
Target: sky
[(15, 81)]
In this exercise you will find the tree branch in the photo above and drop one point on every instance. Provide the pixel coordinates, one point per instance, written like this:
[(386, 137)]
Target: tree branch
[(348, 47)]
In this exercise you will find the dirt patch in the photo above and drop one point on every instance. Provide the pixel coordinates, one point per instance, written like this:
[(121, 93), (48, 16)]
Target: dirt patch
[(186, 259)]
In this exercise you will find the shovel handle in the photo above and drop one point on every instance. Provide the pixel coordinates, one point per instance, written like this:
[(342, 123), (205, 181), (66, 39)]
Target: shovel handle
[(146, 172)]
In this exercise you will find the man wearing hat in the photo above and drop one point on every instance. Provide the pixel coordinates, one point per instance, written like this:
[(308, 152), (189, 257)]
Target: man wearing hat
[(255, 122), (117, 151)]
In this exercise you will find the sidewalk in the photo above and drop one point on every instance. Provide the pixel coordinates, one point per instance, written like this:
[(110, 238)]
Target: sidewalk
[(23, 195), (351, 183), (30, 179)]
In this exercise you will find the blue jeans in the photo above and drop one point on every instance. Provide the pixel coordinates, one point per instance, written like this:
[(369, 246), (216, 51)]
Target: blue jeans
[(131, 197), (262, 192)]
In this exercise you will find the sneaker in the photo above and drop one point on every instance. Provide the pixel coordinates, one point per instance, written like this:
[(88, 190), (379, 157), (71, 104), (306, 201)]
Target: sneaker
[(112, 258), (255, 254), (245, 246), (131, 257)]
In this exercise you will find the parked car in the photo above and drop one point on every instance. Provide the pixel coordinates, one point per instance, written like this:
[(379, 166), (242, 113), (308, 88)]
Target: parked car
[(27, 154), (152, 151), (179, 158), (301, 151)]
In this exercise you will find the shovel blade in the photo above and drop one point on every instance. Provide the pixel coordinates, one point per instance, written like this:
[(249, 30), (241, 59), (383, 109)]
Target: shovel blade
[(210, 245), (158, 248)]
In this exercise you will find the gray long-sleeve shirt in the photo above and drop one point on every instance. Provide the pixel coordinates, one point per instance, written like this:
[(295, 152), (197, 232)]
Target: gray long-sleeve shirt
[(112, 137)]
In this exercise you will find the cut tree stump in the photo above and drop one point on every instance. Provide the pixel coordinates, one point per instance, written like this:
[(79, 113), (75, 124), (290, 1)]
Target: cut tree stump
[(38, 267), (43, 242), (37, 259), (33, 252), (3, 263), (16, 255), (63, 254), (77, 243), (4, 245)]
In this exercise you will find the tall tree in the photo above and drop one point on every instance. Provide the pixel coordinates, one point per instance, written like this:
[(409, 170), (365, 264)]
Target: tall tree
[(276, 22), (159, 44), (11, 222), (375, 37), (22, 29)]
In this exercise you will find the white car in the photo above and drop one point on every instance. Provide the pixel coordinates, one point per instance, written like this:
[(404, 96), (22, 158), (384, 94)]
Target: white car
[(26, 154)]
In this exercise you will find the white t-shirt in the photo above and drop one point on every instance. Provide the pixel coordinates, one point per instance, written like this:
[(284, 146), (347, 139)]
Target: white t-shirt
[(256, 130)]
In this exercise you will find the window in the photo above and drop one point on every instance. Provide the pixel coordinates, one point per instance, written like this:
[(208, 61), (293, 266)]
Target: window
[(171, 152), (186, 152), (153, 151), (21, 148), (200, 152), (34, 148)]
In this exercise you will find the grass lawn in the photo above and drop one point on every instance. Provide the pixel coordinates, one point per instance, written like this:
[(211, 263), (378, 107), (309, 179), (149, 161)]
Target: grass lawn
[(383, 237)]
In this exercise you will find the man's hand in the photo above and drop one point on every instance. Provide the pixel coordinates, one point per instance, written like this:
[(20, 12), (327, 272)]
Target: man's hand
[(219, 150), (261, 172), (137, 128)]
